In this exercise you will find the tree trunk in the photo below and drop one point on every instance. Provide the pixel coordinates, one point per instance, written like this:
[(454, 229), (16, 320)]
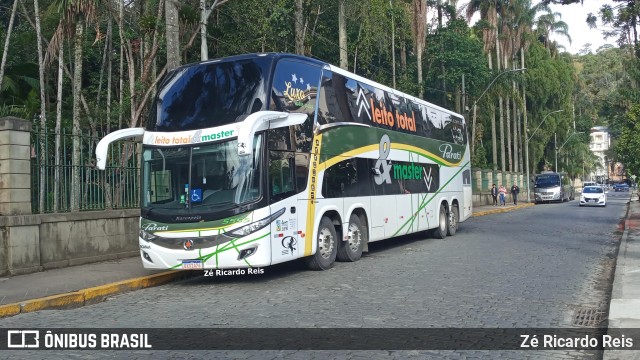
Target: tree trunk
[(393, 46), (342, 35), (204, 49), (121, 75), (503, 159), (516, 146), (494, 137), (420, 32), (500, 105), (77, 88), (299, 27), (43, 109), (56, 182), (172, 35), (403, 57), (509, 156), (525, 131), (109, 72), (5, 51)]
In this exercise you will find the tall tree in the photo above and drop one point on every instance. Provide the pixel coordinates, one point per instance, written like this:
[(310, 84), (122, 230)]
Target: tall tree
[(43, 103), (419, 22), (342, 34), (75, 13), (172, 34), (489, 17), (6, 41)]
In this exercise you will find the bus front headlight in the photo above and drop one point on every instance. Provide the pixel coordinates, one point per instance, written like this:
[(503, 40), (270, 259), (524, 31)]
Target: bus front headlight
[(146, 236), (254, 226)]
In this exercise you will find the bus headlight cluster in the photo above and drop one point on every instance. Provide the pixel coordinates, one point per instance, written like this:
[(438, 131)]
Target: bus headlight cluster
[(254, 226), (146, 236)]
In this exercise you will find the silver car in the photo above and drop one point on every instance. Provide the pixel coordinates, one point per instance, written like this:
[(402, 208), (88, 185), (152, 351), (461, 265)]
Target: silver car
[(593, 196)]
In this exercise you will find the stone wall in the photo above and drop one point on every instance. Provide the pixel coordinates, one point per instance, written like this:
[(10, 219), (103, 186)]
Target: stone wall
[(31, 243)]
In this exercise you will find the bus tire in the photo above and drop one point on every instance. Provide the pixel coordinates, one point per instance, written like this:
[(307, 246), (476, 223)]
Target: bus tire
[(452, 224), (351, 249), (441, 231), (325, 256)]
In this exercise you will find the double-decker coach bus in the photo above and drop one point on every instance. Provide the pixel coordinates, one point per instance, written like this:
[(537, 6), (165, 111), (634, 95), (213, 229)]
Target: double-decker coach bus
[(259, 159)]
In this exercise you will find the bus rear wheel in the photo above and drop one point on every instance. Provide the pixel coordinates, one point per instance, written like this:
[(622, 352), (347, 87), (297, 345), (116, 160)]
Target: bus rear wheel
[(454, 216), (441, 231), (351, 249), (325, 256)]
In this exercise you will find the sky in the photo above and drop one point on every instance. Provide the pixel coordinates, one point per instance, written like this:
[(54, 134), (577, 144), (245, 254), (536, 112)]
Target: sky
[(575, 16)]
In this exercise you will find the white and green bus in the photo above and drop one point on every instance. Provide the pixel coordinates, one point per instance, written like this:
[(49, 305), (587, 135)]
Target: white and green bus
[(258, 159)]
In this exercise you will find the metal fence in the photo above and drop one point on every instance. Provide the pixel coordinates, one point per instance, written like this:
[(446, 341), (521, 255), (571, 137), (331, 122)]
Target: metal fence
[(59, 185)]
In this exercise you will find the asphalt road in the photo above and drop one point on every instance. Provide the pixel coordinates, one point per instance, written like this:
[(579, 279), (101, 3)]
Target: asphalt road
[(533, 268)]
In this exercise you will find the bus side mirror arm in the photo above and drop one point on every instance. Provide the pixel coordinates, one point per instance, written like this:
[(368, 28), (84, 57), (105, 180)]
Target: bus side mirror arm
[(263, 120), (103, 145)]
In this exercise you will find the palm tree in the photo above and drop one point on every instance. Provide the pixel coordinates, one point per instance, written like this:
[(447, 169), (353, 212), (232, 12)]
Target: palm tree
[(488, 13), (516, 17), (75, 13), (547, 25)]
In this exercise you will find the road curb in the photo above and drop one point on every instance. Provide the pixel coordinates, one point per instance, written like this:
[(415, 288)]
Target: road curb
[(617, 301), (501, 210), (92, 295)]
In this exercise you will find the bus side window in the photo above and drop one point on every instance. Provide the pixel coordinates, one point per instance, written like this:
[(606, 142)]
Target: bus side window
[(281, 174), (295, 89), (302, 171)]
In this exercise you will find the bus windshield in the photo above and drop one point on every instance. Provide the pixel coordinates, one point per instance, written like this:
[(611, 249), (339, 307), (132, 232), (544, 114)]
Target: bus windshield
[(546, 181), (210, 95), (198, 179)]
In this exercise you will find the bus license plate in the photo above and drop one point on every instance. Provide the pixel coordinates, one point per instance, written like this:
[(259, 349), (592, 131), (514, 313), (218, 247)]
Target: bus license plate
[(192, 265)]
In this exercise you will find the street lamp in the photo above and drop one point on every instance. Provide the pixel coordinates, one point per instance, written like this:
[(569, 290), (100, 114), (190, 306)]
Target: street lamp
[(526, 146), (561, 146), (473, 126)]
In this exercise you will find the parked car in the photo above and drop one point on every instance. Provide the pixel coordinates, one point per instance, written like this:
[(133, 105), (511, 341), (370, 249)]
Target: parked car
[(621, 187), (593, 196), (588, 183)]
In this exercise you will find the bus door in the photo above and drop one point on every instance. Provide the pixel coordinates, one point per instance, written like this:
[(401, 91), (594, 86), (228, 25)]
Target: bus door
[(285, 237), (467, 201), (294, 89)]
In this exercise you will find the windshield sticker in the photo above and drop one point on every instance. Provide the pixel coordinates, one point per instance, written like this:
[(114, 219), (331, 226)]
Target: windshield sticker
[(196, 195)]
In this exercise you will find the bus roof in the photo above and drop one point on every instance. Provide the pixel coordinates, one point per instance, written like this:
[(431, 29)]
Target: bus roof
[(335, 69)]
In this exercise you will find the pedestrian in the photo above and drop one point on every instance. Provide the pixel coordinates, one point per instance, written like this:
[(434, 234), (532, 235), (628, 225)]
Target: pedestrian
[(515, 190), (494, 194), (503, 195)]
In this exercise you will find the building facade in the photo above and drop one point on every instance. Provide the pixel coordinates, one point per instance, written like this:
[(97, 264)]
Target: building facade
[(599, 144)]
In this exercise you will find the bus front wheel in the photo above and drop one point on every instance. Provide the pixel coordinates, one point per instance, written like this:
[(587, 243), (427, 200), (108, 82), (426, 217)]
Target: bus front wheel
[(327, 239), (351, 249), (441, 231)]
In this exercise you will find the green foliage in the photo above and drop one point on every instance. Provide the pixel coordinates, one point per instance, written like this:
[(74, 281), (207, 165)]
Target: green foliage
[(628, 146), (550, 83), (479, 158), (454, 49)]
